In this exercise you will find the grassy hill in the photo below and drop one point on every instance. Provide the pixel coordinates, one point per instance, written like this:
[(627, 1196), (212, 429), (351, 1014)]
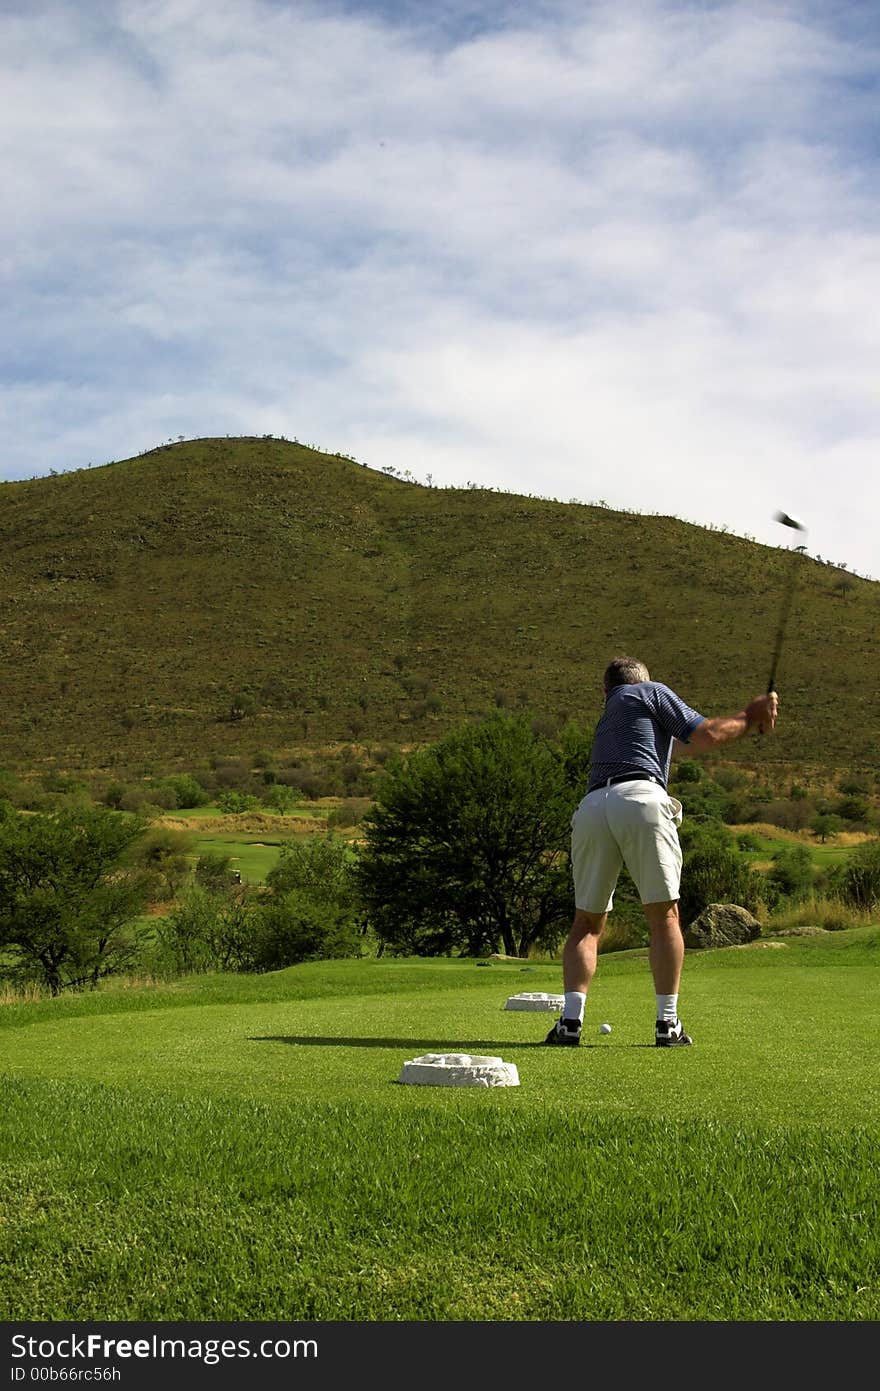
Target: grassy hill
[(137, 600)]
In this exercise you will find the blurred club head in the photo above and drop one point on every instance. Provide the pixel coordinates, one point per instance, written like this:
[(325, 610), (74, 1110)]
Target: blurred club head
[(785, 520)]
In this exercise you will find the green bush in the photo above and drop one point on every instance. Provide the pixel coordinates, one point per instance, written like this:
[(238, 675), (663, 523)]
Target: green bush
[(186, 790), (235, 803), (747, 840), (687, 770), (858, 881), (281, 798), (295, 927), (792, 872), (206, 931), (320, 868), (349, 814), (714, 870), (214, 872)]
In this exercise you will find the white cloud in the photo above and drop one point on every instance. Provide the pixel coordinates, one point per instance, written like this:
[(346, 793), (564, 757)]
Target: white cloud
[(626, 251)]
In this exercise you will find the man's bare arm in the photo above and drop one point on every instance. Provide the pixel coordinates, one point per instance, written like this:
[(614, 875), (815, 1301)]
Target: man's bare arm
[(759, 715)]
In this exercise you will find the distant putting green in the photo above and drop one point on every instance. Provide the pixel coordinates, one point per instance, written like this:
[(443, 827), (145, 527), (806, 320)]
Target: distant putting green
[(239, 1147), (252, 858)]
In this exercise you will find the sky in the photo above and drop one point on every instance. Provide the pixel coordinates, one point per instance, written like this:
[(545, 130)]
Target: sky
[(623, 252)]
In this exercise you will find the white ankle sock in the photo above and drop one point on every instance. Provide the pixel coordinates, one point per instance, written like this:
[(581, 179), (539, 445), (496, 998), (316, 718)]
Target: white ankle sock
[(574, 1006), (667, 1008)]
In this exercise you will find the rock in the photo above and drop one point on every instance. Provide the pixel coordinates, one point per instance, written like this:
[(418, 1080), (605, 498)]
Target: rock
[(722, 925)]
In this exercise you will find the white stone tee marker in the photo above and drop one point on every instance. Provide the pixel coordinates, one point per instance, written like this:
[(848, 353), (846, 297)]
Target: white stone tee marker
[(458, 1070), (535, 999)]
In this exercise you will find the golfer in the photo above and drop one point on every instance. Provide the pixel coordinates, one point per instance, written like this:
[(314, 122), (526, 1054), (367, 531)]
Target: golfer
[(627, 817)]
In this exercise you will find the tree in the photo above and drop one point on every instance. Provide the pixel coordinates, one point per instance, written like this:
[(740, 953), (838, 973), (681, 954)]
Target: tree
[(320, 868), (825, 824), (68, 902), (241, 705), (466, 846), (282, 798), (162, 854)]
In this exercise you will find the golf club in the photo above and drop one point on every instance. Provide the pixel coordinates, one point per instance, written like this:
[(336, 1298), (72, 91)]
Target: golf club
[(785, 520)]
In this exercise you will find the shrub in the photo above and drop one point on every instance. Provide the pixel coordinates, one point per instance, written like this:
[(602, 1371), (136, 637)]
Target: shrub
[(789, 815), (187, 790), (213, 871), (731, 779), (747, 840), (715, 871), (295, 927), (854, 785), (208, 931), (232, 772), (687, 770), (792, 872), (320, 867), (113, 796), (242, 706), (703, 800), (349, 814), (858, 881), (234, 803)]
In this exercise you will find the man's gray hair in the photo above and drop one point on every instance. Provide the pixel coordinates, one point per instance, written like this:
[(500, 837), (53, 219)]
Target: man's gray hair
[(625, 671)]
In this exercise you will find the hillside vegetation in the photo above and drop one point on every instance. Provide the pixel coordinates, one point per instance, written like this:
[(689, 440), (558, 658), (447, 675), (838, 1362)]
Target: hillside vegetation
[(227, 594)]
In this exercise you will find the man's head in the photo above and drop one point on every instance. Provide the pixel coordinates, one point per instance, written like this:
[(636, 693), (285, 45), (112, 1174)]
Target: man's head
[(624, 671)]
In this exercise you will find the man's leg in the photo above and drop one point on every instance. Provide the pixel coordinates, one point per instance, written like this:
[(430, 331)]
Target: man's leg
[(666, 952), (666, 957), (595, 863), (581, 950), (578, 968)]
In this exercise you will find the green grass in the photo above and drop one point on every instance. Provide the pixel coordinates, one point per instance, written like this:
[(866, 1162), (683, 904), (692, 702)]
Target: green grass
[(822, 856), (253, 858), (254, 854), (238, 1148)]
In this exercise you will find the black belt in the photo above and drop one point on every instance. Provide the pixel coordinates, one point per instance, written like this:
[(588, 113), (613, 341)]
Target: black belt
[(632, 777)]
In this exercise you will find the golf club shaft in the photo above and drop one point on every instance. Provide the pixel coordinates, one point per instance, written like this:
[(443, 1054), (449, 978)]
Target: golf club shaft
[(783, 618)]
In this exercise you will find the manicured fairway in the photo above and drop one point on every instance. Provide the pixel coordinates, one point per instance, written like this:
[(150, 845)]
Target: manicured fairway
[(239, 1147)]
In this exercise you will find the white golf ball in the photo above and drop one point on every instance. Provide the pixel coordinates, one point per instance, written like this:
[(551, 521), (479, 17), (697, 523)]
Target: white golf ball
[(604, 1028)]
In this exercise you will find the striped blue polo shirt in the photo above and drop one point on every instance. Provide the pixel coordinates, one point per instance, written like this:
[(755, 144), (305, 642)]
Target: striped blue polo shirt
[(636, 730)]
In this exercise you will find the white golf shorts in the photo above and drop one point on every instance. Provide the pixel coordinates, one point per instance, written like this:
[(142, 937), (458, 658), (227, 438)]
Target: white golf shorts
[(632, 823)]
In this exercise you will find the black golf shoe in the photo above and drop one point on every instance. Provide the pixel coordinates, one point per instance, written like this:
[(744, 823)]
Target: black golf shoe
[(668, 1035), (566, 1033)]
